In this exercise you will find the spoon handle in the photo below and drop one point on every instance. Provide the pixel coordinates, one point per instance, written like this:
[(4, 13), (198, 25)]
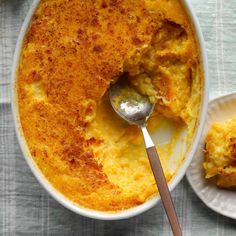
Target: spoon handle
[(161, 182)]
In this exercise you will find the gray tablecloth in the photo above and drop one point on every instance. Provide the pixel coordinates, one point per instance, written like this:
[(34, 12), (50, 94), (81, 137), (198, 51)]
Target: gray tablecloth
[(25, 207)]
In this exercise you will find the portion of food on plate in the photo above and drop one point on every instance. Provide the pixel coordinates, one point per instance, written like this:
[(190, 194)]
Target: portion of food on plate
[(72, 52), (220, 152)]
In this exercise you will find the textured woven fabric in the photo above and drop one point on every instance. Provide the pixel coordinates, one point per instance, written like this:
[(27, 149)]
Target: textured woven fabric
[(26, 208)]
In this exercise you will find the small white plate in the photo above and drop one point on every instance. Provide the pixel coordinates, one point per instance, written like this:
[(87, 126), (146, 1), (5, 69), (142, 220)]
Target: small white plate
[(219, 200)]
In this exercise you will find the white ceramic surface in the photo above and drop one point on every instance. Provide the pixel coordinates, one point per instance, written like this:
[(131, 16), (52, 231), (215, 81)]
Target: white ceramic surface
[(219, 200), (58, 196)]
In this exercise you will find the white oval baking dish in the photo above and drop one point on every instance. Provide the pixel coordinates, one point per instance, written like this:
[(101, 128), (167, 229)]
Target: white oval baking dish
[(181, 170)]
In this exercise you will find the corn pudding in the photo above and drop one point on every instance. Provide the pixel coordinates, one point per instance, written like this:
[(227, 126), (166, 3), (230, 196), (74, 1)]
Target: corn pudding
[(72, 51), (221, 153)]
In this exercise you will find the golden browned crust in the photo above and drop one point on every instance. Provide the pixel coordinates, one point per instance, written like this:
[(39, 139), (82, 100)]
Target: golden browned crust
[(220, 153), (71, 53), (226, 180), (227, 174)]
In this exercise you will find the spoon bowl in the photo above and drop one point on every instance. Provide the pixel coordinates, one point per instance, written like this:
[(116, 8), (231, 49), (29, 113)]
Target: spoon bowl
[(129, 104)]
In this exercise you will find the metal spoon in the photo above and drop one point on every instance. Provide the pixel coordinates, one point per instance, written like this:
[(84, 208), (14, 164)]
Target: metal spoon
[(136, 109)]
